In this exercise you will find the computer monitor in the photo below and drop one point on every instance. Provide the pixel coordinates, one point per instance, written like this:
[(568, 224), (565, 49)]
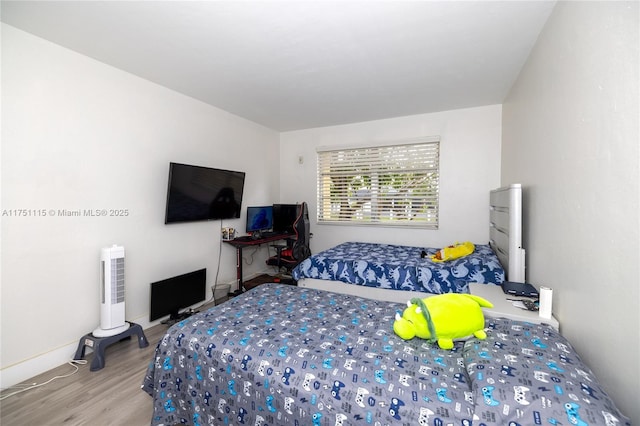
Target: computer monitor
[(283, 217), (259, 219)]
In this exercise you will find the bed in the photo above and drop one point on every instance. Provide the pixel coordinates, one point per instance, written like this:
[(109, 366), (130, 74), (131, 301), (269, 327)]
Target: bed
[(396, 267), (385, 268), (286, 355)]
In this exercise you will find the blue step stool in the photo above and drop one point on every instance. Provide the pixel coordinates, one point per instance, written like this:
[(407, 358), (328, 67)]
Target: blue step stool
[(99, 344)]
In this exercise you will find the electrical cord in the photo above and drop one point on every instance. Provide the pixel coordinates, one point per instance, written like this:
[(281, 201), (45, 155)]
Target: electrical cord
[(74, 363), (215, 283), (246, 262)]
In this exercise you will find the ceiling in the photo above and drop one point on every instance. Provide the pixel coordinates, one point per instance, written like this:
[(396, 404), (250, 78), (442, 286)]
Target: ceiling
[(292, 65)]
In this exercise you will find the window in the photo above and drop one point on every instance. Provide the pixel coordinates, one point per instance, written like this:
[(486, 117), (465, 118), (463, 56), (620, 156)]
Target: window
[(391, 185)]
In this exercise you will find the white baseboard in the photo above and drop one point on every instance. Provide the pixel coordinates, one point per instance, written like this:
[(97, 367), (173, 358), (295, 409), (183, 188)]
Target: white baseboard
[(24, 370)]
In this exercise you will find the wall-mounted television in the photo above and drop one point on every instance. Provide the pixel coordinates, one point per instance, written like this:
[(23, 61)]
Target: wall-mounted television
[(259, 218), (170, 296), (198, 193)]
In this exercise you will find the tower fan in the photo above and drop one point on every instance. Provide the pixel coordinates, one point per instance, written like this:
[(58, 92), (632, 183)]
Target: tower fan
[(112, 292)]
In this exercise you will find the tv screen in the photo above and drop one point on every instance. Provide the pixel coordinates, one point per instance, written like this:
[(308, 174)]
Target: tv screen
[(198, 193), (283, 217), (170, 296), (259, 218)]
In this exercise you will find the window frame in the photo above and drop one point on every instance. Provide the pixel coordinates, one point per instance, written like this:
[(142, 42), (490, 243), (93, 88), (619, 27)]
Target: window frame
[(387, 162)]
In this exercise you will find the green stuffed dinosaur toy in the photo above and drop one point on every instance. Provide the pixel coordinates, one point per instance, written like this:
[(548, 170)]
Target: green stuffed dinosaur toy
[(442, 318)]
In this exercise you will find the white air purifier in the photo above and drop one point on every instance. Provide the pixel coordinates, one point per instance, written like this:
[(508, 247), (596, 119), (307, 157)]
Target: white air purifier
[(112, 313)]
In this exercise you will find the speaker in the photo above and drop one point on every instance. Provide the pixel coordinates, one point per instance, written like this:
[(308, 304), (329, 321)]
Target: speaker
[(112, 310)]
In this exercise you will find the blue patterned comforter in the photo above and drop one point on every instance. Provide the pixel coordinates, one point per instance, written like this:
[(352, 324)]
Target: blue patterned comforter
[(283, 355), (401, 268)]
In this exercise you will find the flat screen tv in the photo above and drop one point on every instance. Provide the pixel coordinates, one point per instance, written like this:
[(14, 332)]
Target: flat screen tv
[(283, 217), (197, 193), (259, 219), (170, 296)]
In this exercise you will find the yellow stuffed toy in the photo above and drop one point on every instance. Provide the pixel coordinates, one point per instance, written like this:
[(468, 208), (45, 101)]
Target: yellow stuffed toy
[(442, 318), (453, 252)]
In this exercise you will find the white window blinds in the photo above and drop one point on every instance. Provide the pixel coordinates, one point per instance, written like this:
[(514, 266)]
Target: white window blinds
[(394, 185)]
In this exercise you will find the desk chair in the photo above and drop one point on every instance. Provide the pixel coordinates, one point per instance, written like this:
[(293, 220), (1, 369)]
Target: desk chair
[(297, 248)]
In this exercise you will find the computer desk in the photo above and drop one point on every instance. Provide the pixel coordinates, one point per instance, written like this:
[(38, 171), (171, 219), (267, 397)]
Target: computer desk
[(239, 244)]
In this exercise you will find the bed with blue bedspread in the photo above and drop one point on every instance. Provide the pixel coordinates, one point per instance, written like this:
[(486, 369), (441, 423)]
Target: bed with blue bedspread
[(397, 267), (284, 355)]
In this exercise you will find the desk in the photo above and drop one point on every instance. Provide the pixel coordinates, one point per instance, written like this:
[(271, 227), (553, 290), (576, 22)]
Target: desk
[(240, 244)]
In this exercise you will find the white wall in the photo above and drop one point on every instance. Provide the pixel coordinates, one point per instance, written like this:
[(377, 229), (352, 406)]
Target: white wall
[(78, 134), (469, 169), (571, 137)]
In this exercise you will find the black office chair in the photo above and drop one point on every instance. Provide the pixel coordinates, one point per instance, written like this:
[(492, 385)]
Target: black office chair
[(297, 249)]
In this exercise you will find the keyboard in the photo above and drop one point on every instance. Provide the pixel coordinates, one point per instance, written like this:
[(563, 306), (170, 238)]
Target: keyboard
[(263, 235)]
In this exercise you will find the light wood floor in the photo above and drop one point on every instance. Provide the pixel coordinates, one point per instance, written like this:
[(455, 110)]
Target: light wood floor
[(110, 396)]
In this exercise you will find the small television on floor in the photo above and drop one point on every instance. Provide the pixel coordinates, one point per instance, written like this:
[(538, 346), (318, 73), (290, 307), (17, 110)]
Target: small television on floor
[(259, 219), (171, 296)]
